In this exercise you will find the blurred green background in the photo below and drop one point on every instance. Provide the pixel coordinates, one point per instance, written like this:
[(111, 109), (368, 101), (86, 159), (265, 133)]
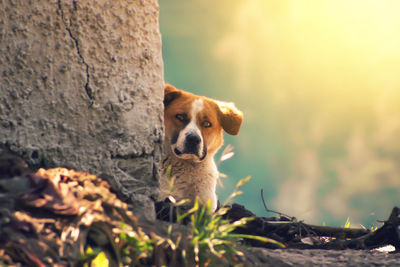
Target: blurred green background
[(319, 84)]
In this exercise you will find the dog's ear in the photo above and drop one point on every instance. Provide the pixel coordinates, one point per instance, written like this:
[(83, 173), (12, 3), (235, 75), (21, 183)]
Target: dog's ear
[(230, 117), (170, 94)]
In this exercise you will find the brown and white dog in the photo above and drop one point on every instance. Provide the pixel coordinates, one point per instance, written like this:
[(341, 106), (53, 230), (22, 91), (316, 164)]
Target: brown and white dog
[(193, 134)]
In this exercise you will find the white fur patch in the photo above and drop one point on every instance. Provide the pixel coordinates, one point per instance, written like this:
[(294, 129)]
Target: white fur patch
[(197, 106)]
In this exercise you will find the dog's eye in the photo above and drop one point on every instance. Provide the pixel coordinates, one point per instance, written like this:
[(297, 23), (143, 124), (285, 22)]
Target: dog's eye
[(180, 117), (206, 124)]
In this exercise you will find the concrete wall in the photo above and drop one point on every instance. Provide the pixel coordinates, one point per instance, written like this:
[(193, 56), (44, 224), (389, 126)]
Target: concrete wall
[(81, 85)]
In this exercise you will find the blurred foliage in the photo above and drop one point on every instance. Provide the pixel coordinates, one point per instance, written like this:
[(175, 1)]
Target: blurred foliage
[(211, 234)]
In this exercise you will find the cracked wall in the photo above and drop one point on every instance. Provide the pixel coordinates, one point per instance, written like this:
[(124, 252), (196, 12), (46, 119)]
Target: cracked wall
[(82, 86)]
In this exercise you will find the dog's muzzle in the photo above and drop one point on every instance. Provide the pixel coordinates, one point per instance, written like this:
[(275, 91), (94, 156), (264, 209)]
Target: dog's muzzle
[(191, 148)]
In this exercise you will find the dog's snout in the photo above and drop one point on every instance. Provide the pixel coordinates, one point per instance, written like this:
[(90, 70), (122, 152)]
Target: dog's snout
[(193, 139), (192, 143)]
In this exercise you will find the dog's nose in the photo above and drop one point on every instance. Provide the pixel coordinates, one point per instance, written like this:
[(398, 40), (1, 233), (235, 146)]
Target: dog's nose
[(192, 143), (193, 139)]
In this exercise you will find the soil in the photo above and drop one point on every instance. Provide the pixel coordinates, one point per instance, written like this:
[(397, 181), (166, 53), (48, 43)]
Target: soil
[(317, 257)]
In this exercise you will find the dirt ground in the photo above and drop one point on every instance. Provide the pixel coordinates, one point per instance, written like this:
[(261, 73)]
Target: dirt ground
[(305, 257)]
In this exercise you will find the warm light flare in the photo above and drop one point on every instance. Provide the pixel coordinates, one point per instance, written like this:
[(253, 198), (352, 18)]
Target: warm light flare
[(328, 70)]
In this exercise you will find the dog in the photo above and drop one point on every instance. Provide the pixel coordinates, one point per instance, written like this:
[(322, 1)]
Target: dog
[(193, 134)]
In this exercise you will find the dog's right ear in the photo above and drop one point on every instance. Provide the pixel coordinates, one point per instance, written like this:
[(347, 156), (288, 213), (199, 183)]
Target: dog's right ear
[(230, 117), (170, 94)]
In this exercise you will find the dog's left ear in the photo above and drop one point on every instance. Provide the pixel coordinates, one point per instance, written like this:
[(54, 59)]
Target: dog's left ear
[(230, 117), (170, 94)]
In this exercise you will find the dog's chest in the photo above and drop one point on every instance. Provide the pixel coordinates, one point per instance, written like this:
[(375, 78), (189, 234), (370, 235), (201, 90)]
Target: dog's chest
[(189, 179)]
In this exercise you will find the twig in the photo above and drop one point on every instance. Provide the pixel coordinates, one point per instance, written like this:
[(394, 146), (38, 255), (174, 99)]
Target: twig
[(276, 212)]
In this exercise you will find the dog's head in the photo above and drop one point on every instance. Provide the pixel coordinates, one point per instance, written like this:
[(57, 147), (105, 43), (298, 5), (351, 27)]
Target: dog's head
[(194, 124)]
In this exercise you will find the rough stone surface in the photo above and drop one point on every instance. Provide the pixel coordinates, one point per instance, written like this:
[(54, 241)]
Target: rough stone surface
[(81, 85)]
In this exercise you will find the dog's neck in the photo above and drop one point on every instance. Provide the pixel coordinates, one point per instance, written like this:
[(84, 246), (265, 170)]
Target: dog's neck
[(189, 179)]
